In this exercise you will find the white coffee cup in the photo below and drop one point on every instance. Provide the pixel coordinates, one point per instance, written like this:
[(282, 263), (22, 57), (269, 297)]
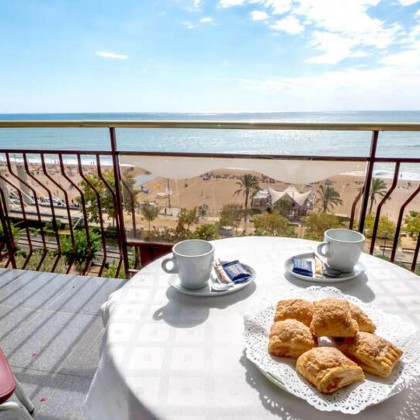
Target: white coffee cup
[(342, 248), (192, 260)]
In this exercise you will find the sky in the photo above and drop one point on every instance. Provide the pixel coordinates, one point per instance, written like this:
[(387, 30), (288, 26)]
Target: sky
[(209, 55)]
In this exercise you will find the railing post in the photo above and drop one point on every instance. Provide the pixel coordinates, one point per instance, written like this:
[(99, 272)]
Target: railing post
[(10, 243), (122, 235), (368, 180), (399, 223), (353, 208), (416, 255), (379, 208)]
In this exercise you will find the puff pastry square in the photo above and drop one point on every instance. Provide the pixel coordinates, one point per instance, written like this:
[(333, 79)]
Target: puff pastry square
[(363, 321), (332, 318), (299, 309), (328, 369), (374, 354), (290, 338)]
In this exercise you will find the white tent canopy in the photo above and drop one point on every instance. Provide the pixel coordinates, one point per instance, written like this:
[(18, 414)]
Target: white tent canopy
[(291, 192)]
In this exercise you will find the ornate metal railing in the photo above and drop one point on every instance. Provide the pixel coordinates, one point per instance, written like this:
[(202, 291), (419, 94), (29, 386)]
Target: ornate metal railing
[(35, 185)]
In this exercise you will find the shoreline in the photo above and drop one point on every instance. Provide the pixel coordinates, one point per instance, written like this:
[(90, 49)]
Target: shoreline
[(106, 161), (384, 174)]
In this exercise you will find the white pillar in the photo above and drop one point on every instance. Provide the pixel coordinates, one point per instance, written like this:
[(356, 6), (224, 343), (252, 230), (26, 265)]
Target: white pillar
[(5, 194), (26, 192)]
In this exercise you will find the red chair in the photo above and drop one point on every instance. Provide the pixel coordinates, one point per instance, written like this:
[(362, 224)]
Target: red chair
[(9, 386)]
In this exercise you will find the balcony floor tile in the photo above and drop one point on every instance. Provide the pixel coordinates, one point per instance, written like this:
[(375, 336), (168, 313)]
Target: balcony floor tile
[(51, 331)]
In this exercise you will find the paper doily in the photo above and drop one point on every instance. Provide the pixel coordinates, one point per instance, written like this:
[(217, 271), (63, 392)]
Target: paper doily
[(351, 399)]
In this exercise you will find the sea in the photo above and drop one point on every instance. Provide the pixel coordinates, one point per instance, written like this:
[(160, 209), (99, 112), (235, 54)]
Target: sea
[(288, 142)]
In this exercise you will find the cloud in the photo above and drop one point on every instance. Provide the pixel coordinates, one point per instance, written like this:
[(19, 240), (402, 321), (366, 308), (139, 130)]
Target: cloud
[(258, 15), (408, 2), (195, 7), (347, 89), (231, 3), (106, 54), (189, 25), (336, 29), (348, 43), (277, 7), (408, 60), (194, 25), (335, 47), (289, 24), (339, 15), (339, 28), (358, 54)]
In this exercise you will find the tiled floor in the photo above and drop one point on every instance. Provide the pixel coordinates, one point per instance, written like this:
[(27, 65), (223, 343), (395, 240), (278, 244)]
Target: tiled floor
[(51, 332)]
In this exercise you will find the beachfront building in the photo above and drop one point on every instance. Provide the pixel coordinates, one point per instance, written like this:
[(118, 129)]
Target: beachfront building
[(300, 203)]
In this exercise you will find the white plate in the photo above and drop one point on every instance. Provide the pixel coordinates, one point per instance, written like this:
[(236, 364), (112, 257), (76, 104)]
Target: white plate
[(206, 291), (352, 399), (358, 269)]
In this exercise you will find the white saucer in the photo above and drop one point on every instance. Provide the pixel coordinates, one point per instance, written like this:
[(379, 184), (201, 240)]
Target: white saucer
[(358, 269), (206, 291)]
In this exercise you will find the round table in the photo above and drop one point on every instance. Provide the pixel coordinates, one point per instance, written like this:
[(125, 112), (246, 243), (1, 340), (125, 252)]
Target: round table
[(171, 356)]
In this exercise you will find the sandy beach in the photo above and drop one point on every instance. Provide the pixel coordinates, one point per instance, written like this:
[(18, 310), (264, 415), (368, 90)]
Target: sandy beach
[(214, 190), (220, 188)]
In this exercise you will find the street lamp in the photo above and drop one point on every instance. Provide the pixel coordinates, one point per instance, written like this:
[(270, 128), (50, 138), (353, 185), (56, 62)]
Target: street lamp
[(168, 193)]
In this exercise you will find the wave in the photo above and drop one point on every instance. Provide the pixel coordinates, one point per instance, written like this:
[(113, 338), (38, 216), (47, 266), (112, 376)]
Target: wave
[(379, 173)]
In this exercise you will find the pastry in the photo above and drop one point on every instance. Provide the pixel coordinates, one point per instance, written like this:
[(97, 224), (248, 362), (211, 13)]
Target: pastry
[(290, 338), (328, 369), (374, 354), (298, 309), (332, 318), (363, 321)]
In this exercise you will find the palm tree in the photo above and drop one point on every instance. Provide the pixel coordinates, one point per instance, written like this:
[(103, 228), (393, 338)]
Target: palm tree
[(377, 188), (329, 197), (248, 186)]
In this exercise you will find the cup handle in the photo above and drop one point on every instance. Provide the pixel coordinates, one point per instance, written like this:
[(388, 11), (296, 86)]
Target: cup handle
[(320, 249), (164, 265)]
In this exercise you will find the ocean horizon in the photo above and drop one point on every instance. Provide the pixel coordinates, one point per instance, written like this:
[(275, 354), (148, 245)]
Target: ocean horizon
[(289, 142)]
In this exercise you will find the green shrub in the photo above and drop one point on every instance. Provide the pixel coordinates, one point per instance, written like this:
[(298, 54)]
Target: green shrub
[(80, 255), (386, 227), (206, 232), (271, 224), (317, 224)]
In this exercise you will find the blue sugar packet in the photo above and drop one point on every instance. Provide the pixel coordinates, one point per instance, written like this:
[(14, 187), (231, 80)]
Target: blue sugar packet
[(236, 271), (302, 267)]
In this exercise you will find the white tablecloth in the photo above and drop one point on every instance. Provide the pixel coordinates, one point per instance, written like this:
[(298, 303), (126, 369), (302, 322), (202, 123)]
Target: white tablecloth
[(171, 356)]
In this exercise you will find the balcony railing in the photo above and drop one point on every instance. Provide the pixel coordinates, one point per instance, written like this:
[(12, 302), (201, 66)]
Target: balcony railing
[(87, 193)]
